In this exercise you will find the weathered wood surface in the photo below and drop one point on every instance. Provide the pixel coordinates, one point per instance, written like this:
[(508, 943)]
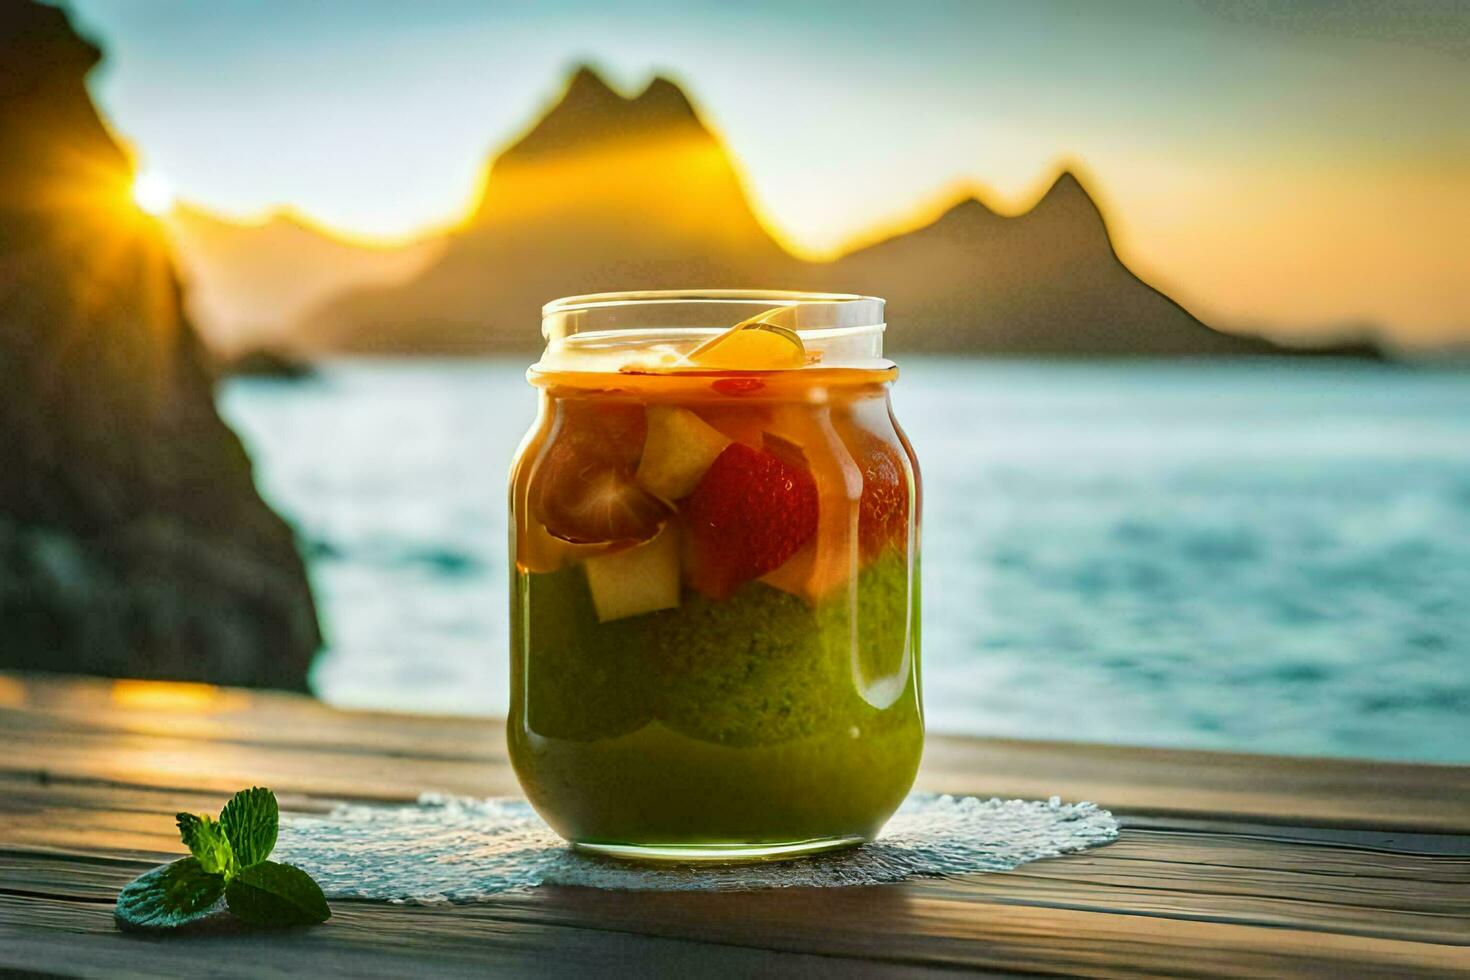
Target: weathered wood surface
[(1228, 865)]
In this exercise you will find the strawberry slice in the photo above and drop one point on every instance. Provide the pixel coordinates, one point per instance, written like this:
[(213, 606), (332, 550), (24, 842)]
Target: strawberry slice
[(582, 489), (750, 512)]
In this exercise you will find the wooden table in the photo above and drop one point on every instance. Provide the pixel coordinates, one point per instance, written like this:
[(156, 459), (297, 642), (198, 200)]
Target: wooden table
[(1227, 865)]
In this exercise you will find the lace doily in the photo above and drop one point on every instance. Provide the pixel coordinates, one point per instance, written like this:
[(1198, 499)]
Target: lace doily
[(454, 849)]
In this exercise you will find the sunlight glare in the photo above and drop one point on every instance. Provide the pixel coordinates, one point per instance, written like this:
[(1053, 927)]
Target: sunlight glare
[(153, 193), (180, 697)]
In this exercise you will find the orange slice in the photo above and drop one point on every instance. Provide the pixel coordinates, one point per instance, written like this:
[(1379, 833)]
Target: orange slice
[(753, 344)]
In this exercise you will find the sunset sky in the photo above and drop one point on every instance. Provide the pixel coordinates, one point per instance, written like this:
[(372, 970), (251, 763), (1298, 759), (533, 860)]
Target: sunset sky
[(1297, 165)]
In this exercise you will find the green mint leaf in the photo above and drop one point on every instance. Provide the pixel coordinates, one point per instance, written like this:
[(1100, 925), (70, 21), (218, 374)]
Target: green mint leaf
[(250, 821), (271, 894), (206, 840), (168, 897)]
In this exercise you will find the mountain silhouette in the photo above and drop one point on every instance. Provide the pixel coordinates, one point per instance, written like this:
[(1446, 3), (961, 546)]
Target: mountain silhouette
[(607, 192), (248, 281), (1045, 282)]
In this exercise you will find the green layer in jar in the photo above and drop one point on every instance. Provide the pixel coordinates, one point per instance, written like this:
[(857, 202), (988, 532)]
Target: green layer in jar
[(759, 668)]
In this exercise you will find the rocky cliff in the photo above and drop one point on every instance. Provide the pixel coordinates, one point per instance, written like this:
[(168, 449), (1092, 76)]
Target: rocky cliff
[(132, 539)]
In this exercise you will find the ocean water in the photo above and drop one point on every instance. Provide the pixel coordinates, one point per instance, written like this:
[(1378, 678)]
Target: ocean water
[(1262, 556)]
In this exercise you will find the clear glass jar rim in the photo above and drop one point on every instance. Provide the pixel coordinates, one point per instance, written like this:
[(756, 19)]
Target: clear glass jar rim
[(852, 303), (658, 329)]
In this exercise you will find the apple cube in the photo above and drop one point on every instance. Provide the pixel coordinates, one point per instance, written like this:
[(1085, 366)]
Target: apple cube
[(679, 447), (637, 580)]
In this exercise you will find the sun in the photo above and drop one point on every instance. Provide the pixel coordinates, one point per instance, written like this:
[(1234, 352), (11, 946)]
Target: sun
[(153, 193)]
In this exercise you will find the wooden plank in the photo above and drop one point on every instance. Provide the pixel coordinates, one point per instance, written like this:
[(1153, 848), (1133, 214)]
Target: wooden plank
[(1329, 792), (1161, 886), (553, 929), (1204, 875), (919, 929), (64, 936)]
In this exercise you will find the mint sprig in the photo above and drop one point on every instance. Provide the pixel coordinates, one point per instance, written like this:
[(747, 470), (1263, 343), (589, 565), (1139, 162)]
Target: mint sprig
[(168, 897), (251, 820), (228, 860), (208, 843), (271, 894)]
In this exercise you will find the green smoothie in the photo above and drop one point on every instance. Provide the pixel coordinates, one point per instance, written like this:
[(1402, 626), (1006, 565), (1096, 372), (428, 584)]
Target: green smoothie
[(758, 718)]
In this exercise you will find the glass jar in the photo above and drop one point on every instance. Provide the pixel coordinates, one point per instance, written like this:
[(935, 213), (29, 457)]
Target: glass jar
[(715, 591)]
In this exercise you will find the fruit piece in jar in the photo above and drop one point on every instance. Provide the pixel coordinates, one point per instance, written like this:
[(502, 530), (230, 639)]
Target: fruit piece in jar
[(883, 510), (750, 512), (679, 448), (888, 476), (637, 580), (582, 489), (828, 560), (752, 345), (538, 551), (738, 421)]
